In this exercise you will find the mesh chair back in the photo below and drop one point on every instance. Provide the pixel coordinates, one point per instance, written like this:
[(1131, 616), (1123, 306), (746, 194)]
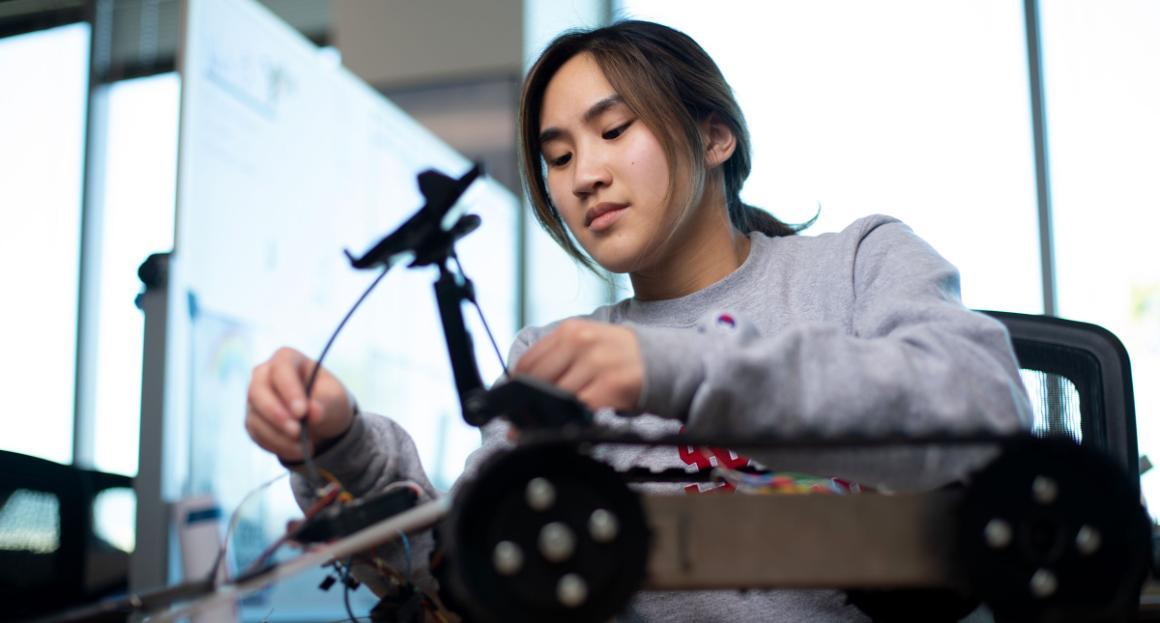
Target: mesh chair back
[(1080, 382), (50, 558)]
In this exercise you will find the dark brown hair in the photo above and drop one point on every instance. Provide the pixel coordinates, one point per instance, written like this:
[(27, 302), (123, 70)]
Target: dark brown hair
[(671, 84)]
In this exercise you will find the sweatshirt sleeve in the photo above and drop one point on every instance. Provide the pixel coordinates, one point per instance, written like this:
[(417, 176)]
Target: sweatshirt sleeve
[(376, 453), (911, 360), (372, 455)]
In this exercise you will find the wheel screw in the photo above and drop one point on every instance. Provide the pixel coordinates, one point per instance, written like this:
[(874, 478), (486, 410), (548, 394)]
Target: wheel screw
[(603, 526), (557, 543), (1087, 540), (540, 494), (997, 534), (1044, 489), (507, 557), (572, 591), (1043, 583)]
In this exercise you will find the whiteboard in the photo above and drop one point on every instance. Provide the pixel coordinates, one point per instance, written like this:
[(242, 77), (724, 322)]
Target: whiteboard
[(285, 159)]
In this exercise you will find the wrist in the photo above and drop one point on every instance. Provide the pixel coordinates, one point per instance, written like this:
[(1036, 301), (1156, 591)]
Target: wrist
[(322, 445)]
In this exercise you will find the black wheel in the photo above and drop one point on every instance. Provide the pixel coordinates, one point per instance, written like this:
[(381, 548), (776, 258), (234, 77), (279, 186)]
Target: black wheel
[(544, 533), (1053, 531)]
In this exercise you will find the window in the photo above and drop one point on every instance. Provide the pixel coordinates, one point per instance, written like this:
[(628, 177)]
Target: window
[(557, 285), (140, 170), (42, 132), (1102, 101), (910, 108)]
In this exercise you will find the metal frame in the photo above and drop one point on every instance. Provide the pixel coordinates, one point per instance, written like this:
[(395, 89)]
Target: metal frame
[(1042, 163), (99, 15), (861, 541), (149, 566)]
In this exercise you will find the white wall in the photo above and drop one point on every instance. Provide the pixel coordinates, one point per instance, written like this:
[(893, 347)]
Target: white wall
[(401, 42)]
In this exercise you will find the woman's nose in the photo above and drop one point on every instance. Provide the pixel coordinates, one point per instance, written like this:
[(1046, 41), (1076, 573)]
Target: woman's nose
[(590, 174)]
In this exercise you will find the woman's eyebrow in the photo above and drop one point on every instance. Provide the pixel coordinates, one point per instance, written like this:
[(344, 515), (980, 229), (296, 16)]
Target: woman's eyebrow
[(601, 107), (550, 134), (594, 111)]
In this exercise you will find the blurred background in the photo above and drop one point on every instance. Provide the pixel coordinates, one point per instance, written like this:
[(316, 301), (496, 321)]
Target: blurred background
[(1020, 138)]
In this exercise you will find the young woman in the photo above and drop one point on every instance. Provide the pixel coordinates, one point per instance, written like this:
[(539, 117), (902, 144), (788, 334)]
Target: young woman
[(633, 152)]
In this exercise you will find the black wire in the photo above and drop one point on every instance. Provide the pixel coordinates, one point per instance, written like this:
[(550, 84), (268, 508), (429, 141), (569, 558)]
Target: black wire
[(483, 319), (346, 591), (304, 433), (491, 338)]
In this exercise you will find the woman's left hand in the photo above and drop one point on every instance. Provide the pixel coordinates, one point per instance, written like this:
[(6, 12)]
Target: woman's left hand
[(598, 362)]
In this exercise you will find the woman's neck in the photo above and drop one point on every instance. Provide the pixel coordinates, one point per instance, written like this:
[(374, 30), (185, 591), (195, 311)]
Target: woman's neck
[(704, 251)]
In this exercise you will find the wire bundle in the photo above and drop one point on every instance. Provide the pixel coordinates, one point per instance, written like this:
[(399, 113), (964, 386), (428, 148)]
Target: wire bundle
[(783, 482)]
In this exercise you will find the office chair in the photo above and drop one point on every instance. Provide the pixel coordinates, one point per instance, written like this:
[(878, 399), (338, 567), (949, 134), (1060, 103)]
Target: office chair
[(1080, 383), (50, 557)]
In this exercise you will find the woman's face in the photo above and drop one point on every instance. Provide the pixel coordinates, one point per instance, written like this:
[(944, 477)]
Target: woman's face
[(607, 173)]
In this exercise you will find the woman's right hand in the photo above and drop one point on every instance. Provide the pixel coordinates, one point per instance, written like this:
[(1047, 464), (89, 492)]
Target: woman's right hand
[(276, 405)]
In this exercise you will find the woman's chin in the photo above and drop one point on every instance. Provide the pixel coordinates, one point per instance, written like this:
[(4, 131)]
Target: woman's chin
[(616, 260), (625, 254)]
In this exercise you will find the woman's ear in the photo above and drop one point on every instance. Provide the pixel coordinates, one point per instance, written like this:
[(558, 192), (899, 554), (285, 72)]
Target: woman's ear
[(719, 141)]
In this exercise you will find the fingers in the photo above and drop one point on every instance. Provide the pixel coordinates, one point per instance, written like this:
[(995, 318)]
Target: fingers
[(551, 357), (288, 381), (593, 397), (276, 403), (277, 407), (579, 374), (550, 365), (602, 392), (272, 438), (265, 402), (599, 363), (529, 363)]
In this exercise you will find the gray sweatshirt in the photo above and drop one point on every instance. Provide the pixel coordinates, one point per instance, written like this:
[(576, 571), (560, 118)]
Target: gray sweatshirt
[(857, 332)]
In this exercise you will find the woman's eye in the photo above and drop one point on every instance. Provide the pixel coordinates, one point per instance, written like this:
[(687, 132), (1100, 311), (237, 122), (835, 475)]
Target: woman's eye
[(560, 161), (615, 132)]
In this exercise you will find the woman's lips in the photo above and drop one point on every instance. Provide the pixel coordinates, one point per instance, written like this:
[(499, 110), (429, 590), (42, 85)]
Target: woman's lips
[(602, 216)]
